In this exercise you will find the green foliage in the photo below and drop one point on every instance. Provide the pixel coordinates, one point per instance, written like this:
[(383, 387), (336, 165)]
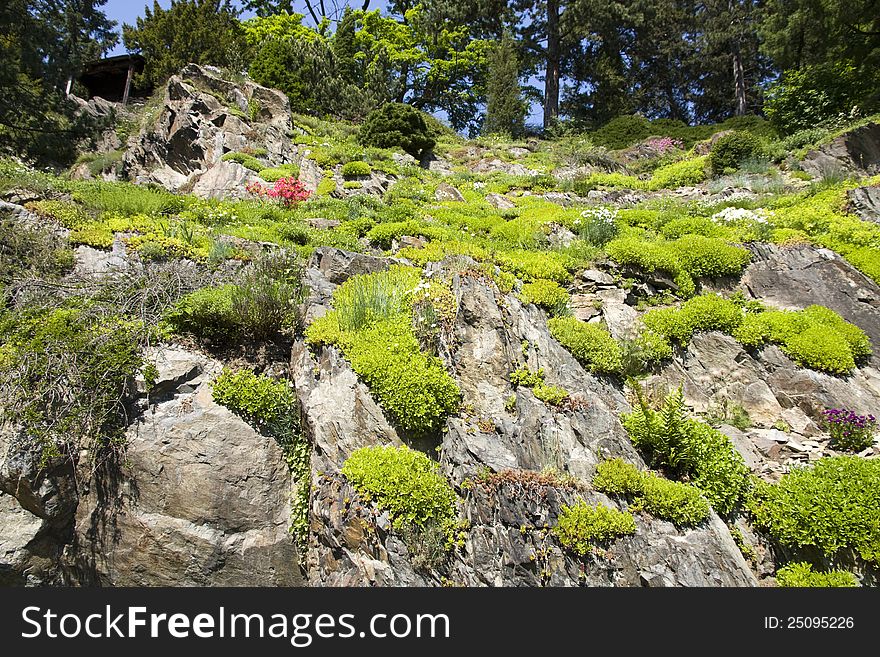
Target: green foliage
[(67, 375), (546, 294), (371, 323), (685, 447), (679, 503), (505, 108), (688, 257), (396, 125), (355, 168), (260, 307), (69, 215), (815, 337), (553, 395), (802, 575), (732, 149), (807, 97), (404, 482), (246, 160), (582, 526), (591, 344), (707, 312), (832, 507), (97, 236), (269, 405), (276, 173), (679, 174), (30, 252), (189, 31)]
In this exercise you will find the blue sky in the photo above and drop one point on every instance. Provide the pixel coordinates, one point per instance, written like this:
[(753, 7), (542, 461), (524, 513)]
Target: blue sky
[(128, 11)]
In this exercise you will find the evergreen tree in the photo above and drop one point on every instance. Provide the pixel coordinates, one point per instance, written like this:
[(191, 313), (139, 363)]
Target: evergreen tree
[(189, 31), (505, 108)]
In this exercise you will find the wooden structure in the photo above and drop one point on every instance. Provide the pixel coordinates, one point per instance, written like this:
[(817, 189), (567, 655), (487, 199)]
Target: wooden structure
[(112, 78)]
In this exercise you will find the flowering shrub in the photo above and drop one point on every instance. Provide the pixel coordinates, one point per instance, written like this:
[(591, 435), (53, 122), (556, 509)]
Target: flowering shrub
[(731, 215), (664, 144), (599, 225), (850, 431), (288, 191)]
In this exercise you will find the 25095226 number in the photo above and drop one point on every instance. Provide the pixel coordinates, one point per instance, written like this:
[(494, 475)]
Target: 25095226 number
[(819, 622)]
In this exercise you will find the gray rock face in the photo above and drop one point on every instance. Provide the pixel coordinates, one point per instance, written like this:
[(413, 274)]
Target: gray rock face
[(204, 501), (200, 499), (500, 201), (796, 277), (865, 202), (447, 192), (204, 116), (225, 180), (508, 542), (854, 152)]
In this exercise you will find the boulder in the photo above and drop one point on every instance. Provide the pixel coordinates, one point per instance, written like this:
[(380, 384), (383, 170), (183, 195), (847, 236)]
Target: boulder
[(499, 201), (856, 152), (865, 202), (447, 192), (204, 499), (225, 180), (204, 116)]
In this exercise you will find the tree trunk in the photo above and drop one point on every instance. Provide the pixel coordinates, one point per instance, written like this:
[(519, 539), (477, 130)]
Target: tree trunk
[(551, 79), (739, 83)]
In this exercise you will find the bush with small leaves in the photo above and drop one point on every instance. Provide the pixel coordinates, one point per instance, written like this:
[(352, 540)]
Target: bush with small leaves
[(802, 575), (582, 526), (734, 148), (679, 174), (679, 503), (404, 482), (397, 125), (269, 405), (553, 395), (246, 160), (355, 169), (833, 507), (546, 294), (591, 344)]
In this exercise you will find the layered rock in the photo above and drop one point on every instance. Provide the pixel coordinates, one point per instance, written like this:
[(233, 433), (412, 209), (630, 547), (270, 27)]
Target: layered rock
[(202, 117)]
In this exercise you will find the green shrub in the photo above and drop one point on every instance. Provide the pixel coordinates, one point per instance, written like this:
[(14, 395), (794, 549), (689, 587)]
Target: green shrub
[(355, 169), (260, 307), (396, 125), (679, 174), (546, 294), (707, 312), (66, 375), (710, 257), (97, 236), (685, 447), (351, 184), (276, 173), (404, 482), (581, 526), (31, 252), (553, 395), (810, 96), (531, 265), (70, 215), (582, 186), (269, 405), (832, 507), (246, 160), (679, 503), (591, 344), (802, 575), (371, 323), (621, 132), (732, 149), (816, 337)]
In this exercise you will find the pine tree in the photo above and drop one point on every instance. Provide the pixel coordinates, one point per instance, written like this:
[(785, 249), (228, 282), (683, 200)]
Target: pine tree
[(505, 108)]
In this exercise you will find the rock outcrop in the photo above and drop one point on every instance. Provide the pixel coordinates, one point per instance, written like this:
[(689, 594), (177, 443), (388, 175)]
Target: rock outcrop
[(856, 152), (508, 541), (202, 117)]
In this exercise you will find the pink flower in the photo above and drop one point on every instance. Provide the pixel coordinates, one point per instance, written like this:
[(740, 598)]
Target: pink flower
[(287, 191)]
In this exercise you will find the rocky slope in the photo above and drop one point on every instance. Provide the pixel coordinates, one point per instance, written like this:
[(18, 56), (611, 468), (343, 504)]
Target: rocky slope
[(200, 497)]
